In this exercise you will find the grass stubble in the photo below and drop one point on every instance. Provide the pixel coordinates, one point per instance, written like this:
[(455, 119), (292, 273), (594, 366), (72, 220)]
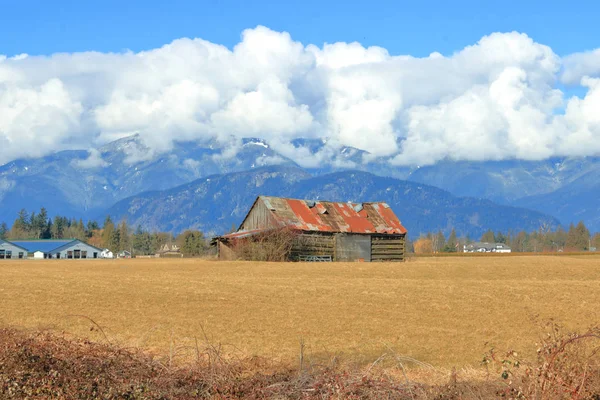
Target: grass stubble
[(421, 319)]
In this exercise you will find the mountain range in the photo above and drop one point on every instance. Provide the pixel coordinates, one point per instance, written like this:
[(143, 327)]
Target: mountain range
[(209, 187)]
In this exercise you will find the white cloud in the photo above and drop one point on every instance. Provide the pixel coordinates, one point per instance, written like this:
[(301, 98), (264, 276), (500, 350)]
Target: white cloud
[(94, 160), (496, 99), (580, 65)]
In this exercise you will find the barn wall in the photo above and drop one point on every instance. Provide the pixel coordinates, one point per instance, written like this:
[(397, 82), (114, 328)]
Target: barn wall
[(350, 247), (259, 217), (387, 247), (313, 244)]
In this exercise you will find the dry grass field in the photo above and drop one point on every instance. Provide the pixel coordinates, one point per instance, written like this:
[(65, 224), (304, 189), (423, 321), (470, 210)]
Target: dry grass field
[(443, 311)]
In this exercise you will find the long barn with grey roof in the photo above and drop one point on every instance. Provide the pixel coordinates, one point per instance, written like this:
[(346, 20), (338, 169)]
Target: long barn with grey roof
[(66, 249)]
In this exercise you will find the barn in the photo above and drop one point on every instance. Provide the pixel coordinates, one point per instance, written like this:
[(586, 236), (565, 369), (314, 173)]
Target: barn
[(10, 250), (68, 248), (321, 231)]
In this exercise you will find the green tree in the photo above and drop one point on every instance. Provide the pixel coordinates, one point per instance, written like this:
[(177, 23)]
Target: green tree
[(578, 237), (39, 224), (451, 243), (3, 231), (124, 239), (488, 237), (500, 238), (91, 227), (108, 233), (439, 241), (192, 243), (58, 227), (21, 227), (142, 241)]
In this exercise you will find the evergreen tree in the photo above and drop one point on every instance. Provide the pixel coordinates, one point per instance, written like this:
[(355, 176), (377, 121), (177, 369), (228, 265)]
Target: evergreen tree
[(500, 238), (142, 241), (452, 243), (58, 227), (21, 227), (91, 227), (439, 241), (488, 237), (3, 230), (108, 233), (583, 236), (578, 237), (192, 243), (124, 240), (39, 224)]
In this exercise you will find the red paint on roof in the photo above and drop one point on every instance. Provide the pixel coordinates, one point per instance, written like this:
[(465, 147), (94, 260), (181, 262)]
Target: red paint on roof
[(327, 216), (303, 213)]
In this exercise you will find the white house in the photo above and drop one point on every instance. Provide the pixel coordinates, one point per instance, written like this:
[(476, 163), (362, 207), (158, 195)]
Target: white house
[(106, 253)]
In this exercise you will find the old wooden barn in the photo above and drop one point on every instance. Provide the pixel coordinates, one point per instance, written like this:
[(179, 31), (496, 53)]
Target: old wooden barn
[(309, 230)]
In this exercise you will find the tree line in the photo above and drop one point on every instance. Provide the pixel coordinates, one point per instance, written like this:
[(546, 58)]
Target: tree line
[(576, 238), (108, 235)]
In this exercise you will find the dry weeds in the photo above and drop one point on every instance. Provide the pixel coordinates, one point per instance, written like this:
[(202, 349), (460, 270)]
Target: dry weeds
[(446, 312)]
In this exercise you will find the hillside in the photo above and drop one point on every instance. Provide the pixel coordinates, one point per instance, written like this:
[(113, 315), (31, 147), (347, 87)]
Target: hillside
[(82, 184), (217, 203)]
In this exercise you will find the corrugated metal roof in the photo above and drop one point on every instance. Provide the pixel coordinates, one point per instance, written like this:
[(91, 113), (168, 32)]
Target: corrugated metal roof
[(326, 216), (46, 246)]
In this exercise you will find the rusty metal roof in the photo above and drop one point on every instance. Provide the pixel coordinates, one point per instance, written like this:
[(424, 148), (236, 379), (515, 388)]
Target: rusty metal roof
[(326, 216)]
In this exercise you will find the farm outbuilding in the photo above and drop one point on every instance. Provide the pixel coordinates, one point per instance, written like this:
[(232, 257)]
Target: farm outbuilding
[(69, 249), (308, 230), (10, 250)]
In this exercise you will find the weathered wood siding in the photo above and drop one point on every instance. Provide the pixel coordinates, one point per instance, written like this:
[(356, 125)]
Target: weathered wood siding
[(313, 244), (387, 247), (259, 217), (350, 247)]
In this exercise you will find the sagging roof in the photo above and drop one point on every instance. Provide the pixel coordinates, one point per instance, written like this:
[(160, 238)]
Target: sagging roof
[(327, 216)]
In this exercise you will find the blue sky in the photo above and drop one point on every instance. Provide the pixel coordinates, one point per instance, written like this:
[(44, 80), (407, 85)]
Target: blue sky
[(416, 27)]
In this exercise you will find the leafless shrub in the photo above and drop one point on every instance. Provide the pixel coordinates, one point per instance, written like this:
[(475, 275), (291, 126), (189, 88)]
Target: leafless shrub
[(45, 365), (273, 245), (567, 366)]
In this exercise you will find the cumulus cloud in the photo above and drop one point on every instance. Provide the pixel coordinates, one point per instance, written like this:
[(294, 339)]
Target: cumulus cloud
[(495, 99)]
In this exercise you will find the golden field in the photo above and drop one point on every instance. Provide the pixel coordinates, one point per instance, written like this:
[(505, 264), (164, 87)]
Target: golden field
[(443, 311)]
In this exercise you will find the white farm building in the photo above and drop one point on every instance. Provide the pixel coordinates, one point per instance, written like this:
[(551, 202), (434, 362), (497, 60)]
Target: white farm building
[(67, 249), (10, 250)]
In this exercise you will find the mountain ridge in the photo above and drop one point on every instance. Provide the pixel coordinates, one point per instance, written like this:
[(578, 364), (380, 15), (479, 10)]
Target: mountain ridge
[(420, 207), (83, 184)]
